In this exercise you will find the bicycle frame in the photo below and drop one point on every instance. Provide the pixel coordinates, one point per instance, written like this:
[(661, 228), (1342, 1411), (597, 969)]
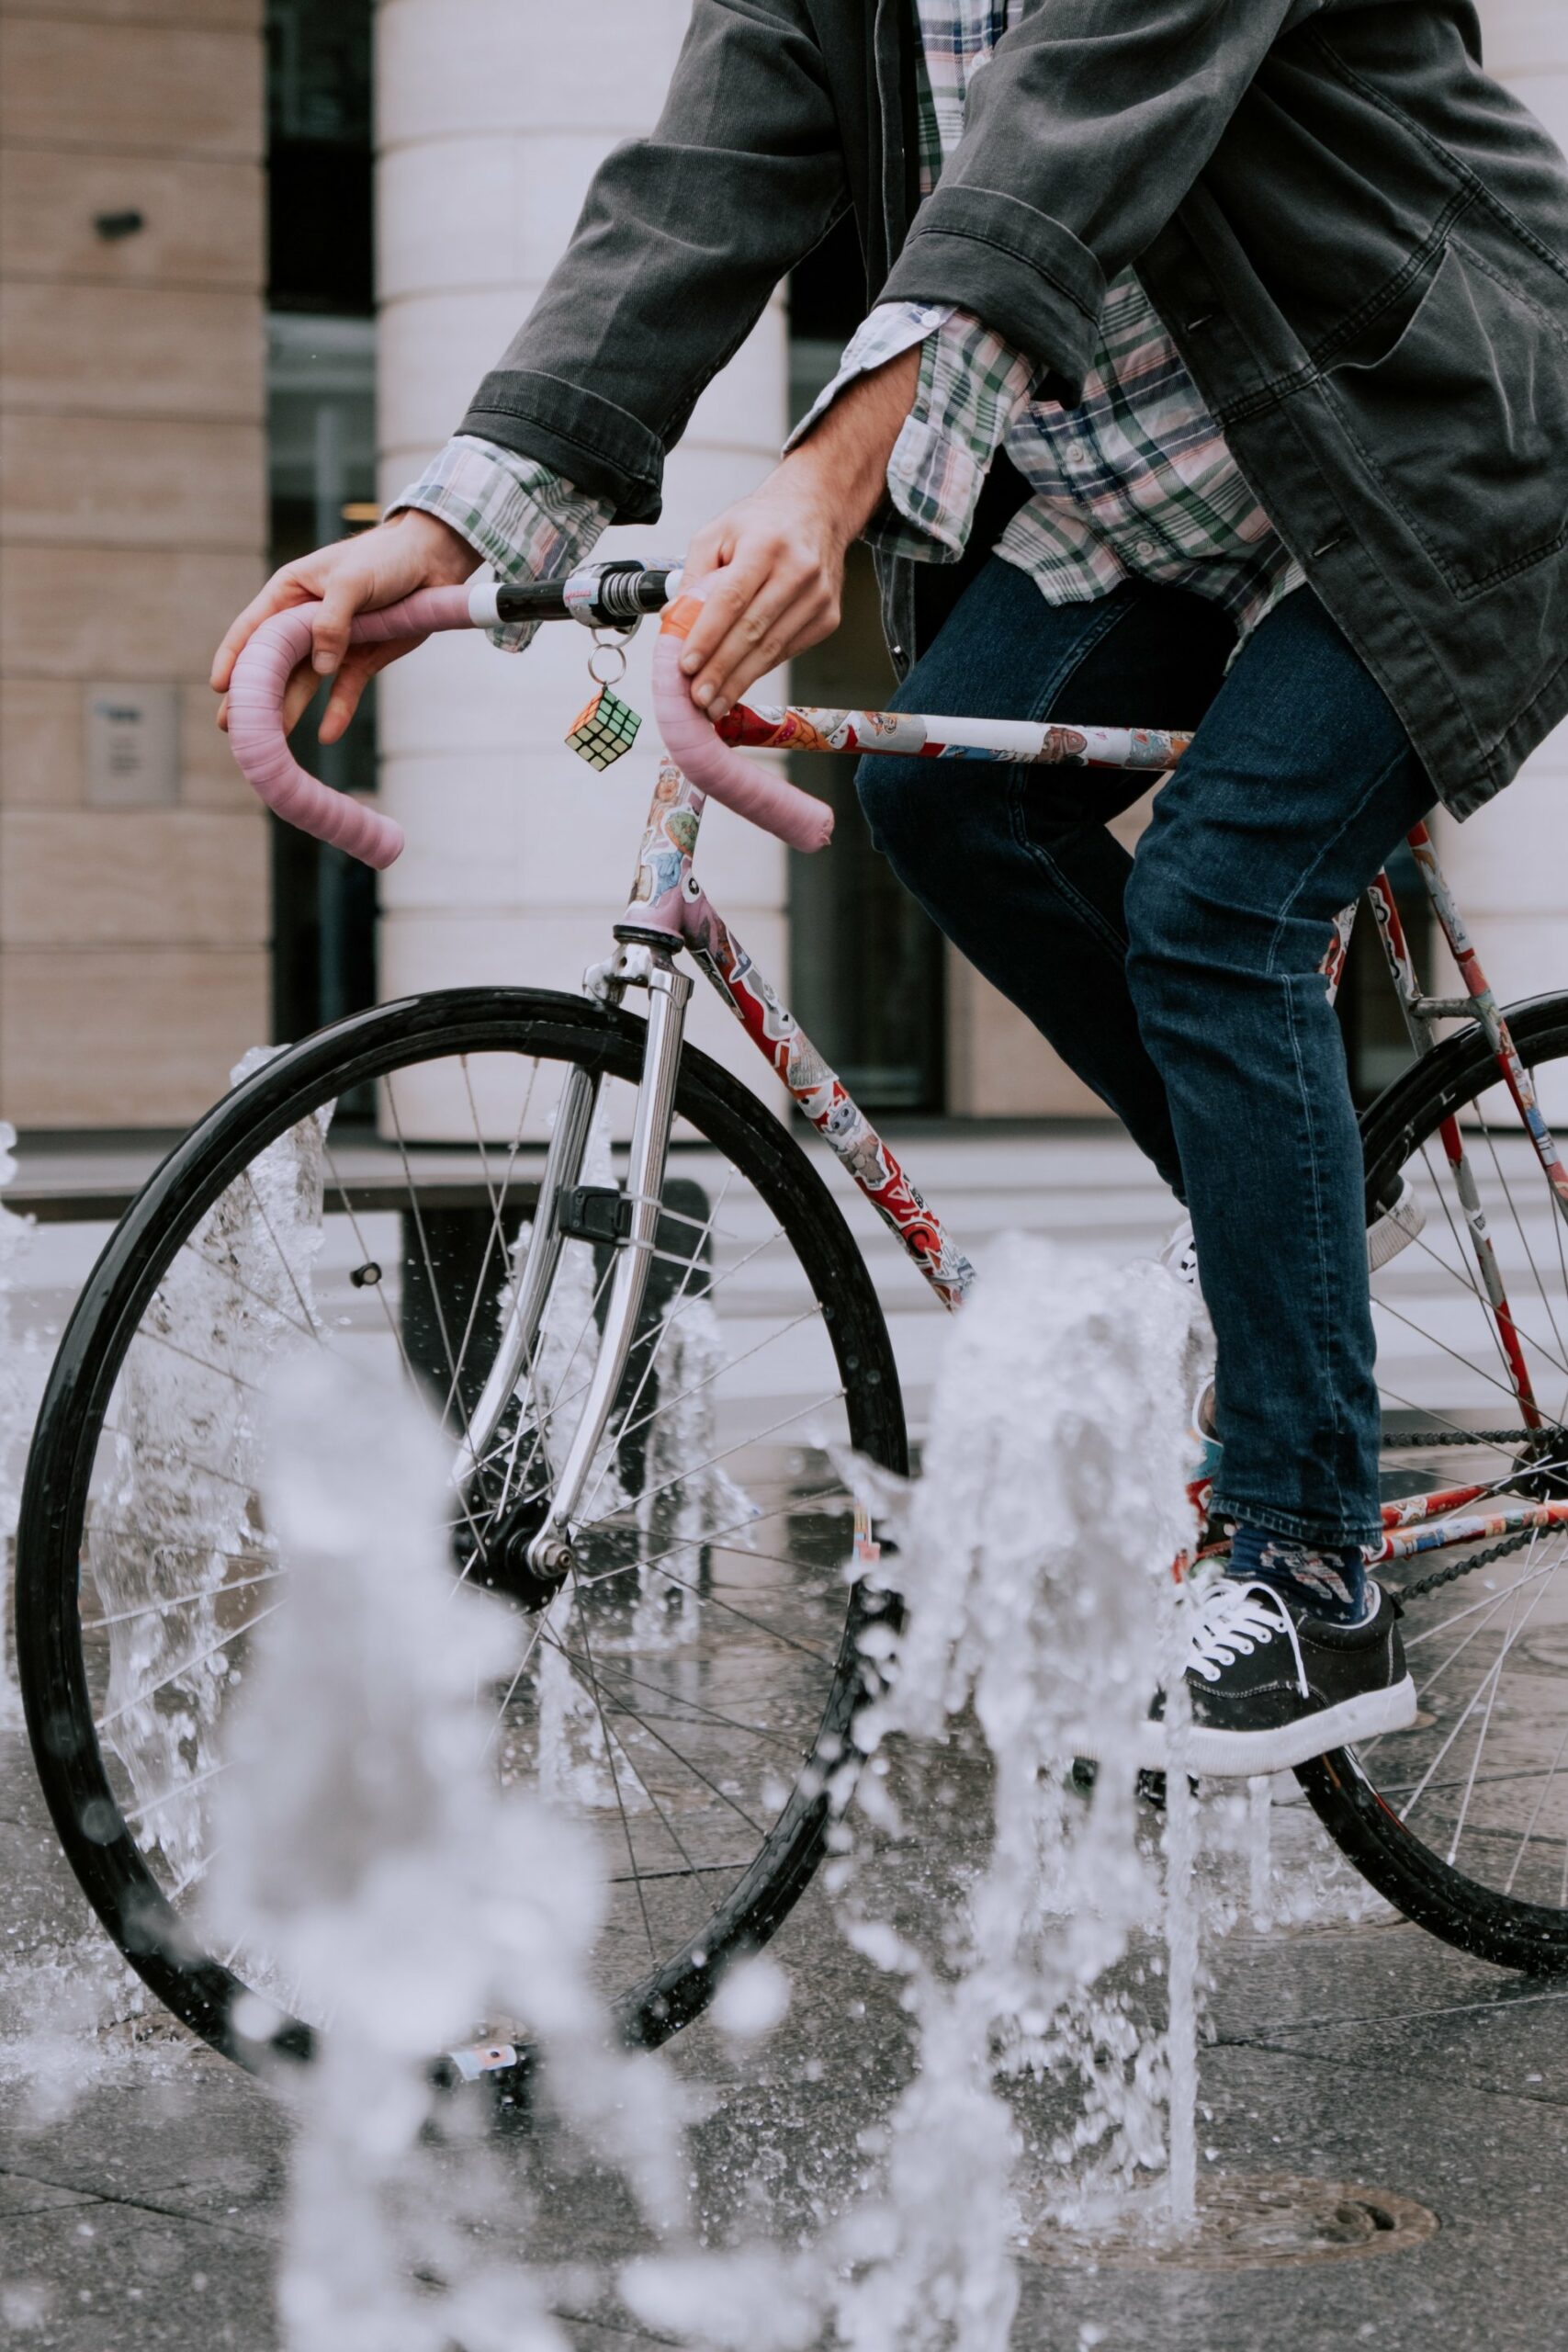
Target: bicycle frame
[(669, 912)]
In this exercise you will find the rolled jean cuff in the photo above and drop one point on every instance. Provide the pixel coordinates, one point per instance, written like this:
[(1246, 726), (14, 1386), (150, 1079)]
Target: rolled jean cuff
[(1321, 1534)]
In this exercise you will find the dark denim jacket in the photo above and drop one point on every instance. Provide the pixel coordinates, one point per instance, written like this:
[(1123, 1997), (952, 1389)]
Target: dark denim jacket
[(1357, 241)]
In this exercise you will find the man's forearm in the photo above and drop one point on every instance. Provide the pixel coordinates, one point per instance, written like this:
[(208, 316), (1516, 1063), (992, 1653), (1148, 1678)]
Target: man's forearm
[(845, 458)]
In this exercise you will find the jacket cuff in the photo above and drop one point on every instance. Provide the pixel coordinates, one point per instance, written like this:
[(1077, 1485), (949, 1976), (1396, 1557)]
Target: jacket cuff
[(601, 448), (1030, 278)]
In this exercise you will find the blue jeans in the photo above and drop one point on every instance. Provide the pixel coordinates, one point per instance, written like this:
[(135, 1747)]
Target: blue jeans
[(1184, 984)]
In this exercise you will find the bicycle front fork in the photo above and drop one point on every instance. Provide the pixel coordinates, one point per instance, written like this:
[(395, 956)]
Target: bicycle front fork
[(633, 1229)]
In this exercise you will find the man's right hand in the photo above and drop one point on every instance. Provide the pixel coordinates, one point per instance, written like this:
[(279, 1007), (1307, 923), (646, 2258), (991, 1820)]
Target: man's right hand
[(358, 575)]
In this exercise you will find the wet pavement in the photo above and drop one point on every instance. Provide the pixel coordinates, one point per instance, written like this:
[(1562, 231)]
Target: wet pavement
[(143, 2180)]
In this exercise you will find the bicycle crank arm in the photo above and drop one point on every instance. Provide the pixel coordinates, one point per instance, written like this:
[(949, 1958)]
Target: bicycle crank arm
[(549, 1553)]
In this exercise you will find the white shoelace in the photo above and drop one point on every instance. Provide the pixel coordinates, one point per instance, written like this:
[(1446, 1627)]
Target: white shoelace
[(1233, 1621)]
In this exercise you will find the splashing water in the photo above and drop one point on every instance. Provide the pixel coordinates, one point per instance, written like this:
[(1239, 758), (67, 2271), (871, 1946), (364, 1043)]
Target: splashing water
[(1035, 1564), (175, 1508), (365, 1845), (685, 1491), (1268, 1863), (573, 1761)]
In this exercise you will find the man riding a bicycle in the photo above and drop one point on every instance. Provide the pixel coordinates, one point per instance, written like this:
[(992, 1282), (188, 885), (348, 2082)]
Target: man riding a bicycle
[(1215, 367)]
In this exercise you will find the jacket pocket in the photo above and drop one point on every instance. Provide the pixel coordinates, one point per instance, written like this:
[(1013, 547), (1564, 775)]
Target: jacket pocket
[(1464, 422)]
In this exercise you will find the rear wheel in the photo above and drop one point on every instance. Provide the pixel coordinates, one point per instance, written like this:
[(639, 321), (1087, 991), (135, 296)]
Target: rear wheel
[(1462, 1821), (370, 1192)]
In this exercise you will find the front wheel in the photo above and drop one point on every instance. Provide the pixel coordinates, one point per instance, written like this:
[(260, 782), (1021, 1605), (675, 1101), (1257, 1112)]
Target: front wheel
[(371, 1191), (1461, 1822)]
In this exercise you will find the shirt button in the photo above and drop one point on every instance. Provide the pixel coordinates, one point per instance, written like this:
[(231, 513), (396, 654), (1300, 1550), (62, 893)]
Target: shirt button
[(1144, 547)]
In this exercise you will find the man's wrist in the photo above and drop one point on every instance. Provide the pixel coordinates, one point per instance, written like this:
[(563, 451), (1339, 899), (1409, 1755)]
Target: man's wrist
[(445, 551), (843, 464)]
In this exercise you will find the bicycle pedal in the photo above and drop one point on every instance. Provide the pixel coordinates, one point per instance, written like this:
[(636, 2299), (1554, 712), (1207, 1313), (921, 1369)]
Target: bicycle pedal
[(598, 1212)]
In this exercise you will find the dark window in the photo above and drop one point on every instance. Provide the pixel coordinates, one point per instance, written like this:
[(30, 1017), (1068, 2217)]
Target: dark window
[(320, 207), (322, 389), (867, 963)]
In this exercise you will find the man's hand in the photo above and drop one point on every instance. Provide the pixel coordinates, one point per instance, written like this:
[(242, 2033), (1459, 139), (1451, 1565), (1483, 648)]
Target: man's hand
[(776, 558), (358, 575)]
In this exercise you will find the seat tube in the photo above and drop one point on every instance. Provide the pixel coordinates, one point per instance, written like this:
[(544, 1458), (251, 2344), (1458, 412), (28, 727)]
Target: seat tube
[(669, 991)]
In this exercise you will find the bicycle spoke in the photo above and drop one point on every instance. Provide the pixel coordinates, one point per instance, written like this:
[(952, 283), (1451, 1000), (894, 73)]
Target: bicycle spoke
[(684, 1477), (151, 1450), (204, 1363), (641, 1778), (1535, 1815), (621, 1808), (182, 1600), (180, 1789), (248, 1290), (495, 1237), (1466, 1279), (1496, 1678), (696, 1707), (1474, 1701), (643, 1725), (418, 1221), (185, 1667), (1561, 1359), (1414, 1641), (309, 1325)]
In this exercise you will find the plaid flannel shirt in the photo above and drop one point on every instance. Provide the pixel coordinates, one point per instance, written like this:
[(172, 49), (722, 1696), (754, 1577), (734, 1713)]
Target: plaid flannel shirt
[(1136, 481)]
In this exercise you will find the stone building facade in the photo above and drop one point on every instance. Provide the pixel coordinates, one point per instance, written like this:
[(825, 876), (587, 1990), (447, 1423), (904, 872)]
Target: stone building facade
[(134, 915), (136, 909)]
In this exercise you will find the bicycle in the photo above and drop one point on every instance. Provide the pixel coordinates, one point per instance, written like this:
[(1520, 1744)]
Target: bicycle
[(619, 1338)]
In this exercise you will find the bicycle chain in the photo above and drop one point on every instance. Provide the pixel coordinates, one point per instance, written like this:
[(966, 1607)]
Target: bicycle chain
[(1420, 1586), (1457, 1569), (1498, 1437)]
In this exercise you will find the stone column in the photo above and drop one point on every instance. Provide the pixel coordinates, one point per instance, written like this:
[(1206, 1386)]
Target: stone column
[(1509, 862), (133, 875), (519, 856)]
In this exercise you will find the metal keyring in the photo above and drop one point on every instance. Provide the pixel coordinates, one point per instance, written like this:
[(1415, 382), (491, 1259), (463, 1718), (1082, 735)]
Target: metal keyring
[(608, 641)]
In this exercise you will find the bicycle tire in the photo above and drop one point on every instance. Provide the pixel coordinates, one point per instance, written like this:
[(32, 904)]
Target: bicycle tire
[(1343, 1788), (107, 1862)]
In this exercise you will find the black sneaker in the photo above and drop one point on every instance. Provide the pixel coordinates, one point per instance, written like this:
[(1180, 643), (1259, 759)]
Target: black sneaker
[(1272, 1685)]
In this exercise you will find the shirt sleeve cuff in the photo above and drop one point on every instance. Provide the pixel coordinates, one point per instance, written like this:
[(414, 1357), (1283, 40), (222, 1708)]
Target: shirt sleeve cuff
[(525, 521), (893, 328), (970, 383)]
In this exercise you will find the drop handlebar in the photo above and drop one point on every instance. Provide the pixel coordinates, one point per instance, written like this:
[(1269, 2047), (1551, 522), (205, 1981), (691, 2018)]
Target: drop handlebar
[(604, 596)]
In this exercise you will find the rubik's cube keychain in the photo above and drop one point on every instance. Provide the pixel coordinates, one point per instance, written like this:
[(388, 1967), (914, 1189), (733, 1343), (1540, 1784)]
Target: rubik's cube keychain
[(606, 726)]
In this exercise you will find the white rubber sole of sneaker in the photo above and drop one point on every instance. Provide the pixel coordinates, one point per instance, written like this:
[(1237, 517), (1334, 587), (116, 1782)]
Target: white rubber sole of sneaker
[(1246, 1754)]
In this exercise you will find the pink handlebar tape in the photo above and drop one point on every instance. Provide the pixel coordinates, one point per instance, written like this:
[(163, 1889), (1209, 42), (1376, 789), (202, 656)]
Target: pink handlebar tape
[(255, 719), (779, 809), (256, 737)]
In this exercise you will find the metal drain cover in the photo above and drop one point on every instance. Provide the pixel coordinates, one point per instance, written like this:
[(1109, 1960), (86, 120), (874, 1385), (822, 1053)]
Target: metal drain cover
[(1246, 2221)]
